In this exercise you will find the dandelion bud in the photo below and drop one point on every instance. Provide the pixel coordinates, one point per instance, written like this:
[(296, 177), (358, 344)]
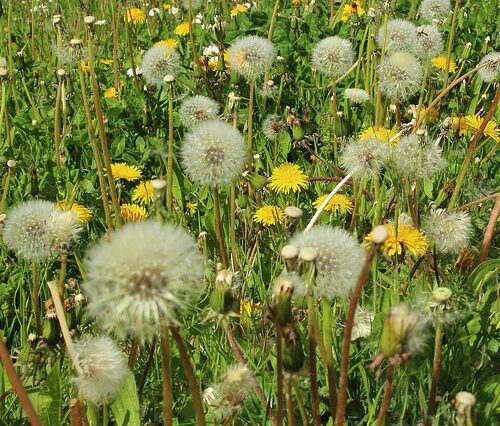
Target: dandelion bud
[(222, 297), (56, 20), (293, 212), (11, 164), (399, 75), (280, 65), (290, 254), (158, 184), (286, 285), (61, 73), (308, 254), (293, 354), (379, 234), (258, 181), (89, 20)]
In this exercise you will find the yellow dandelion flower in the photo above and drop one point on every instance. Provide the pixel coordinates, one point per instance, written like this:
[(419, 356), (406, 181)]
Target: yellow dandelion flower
[(352, 8), (439, 62), (408, 238), (143, 192), (135, 15), (460, 126), (247, 310), (241, 8), (110, 93), (168, 42), (182, 29), (431, 114), (191, 206), (85, 66), (133, 212), (269, 215), (106, 61), (84, 213), (125, 172), (167, 6), (381, 133), (492, 130), (287, 177), (339, 203)]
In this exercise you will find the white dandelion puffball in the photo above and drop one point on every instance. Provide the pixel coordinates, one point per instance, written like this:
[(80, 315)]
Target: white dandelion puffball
[(365, 158), (490, 72), (63, 230), (356, 96), (213, 153), (196, 109), (449, 231), (158, 62), (429, 41), (399, 76), (100, 367), (435, 9), (250, 56), (142, 278), (400, 36), (339, 262), (273, 126), (333, 56)]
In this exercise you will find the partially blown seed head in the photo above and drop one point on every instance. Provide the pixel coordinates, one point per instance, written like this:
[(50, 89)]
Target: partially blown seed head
[(273, 126), (196, 109), (491, 72), (449, 231), (365, 158), (399, 75), (357, 96), (158, 62), (333, 56), (250, 56), (429, 42)]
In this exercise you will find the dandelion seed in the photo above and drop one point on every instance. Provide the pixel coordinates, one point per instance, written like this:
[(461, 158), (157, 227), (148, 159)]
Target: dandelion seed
[(125, 172), (400, 36), (400, 75), (339, 261), (196, 109), (100, 367), (491, 72), (250, 56), (194, 4), (339, 203), (429, 41), (158, 62), (269, 215), (133, 212), (407, 238), (333, 56), (439, 62), (135, 15), (356, 96), (448, 231), (287, 177), (213, 153), (142, 278), (365, 158), (143, 193), (273, 126), (435, 9)]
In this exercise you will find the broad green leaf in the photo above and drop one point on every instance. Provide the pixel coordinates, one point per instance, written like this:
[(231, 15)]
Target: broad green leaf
[(126, 406)]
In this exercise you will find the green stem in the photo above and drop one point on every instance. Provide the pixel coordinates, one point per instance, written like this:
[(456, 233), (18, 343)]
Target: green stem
[(279, 372), (250, 120), (328, 344), (232, 225), (3, 202), (36, 299), (219, 233), (290, 412), (387, 395), (436, 367), (451, 37), (92, 417), (62, 276), (170, 155), (57, 123), (166, 377)]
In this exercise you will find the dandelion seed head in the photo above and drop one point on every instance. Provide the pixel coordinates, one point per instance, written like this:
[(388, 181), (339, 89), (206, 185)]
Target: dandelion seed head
[(158, 62), (142, 278), (429, 41), (449, 231), (100, 367), (195, 109), (290, 282), (250, 56), (333, 56), (365, 158), (63, 230), (401, 36), (435, 9), (195, 4), (399, 75), (273, 126), (490, 72), (339, 261), (213, 153), (356, 96), (362, 327)]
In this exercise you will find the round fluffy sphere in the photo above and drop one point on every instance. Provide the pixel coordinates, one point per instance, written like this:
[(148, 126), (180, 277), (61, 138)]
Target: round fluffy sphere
[(435, 9), (195, 4), (213, 153), (27, 229), (401, 36), (273, 126), (141, 278), (490, 72), (196, 109), (449, 231), (365, 158), (339, 261), (429, 41), (100, 367), (356, 96), (399, 76), (250, 56), (333, 56), (158, 62)]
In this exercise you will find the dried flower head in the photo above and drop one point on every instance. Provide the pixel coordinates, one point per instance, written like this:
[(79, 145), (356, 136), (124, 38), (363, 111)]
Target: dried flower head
[(196, 109), (399, 75), (287, 177), (400, 36), (356, 96), (290, 282), (100, 367), (449, 231), (339, 259), (435, 9), (362, 327), (250, 56), (333, 56), (273, 126), (365, 158), (213, 153), (429, 41), (491, 72), (158, 62), (142, 278)]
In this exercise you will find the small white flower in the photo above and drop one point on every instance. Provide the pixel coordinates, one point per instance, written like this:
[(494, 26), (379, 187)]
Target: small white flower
[(101, 22), (154, 11)]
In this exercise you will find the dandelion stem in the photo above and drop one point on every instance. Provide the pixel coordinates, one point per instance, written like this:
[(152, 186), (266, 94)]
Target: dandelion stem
[(170, 155), (490, 231), (289, 403), (346, 343), (3, 202), (57, 122), (232, 225), (132, 356), (191, 378), (328, 344), (279, 372), (250, 119), (17, 385), (387, 395), (62, 275), (76, 412), (147, 367), (166, 378), (436, 367), (219, 233), (131, 53), (451, 36), (36, 299), (300, 402), (61, 317)]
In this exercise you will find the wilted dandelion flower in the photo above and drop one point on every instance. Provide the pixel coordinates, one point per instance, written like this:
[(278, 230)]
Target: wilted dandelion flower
[(213, 153), (400, 36), (399, 75), (407, 238), (142, 278), (414, 160), (135, 15), (339, 262), (449, 231), (287, 177), (125, 172), (100, 367), (72, 53), (250, 56), (339, 203), (144, 192), (333, 56), (362, 327), (158, 62), (27, 229), (380, 132), (492, 130), (356, 96), (269, 215), (365, 158), (429, 41), (196, 109), (435, 9), (84, 214), (439, 62), (133, 212), (273, 126), (490, 72)]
